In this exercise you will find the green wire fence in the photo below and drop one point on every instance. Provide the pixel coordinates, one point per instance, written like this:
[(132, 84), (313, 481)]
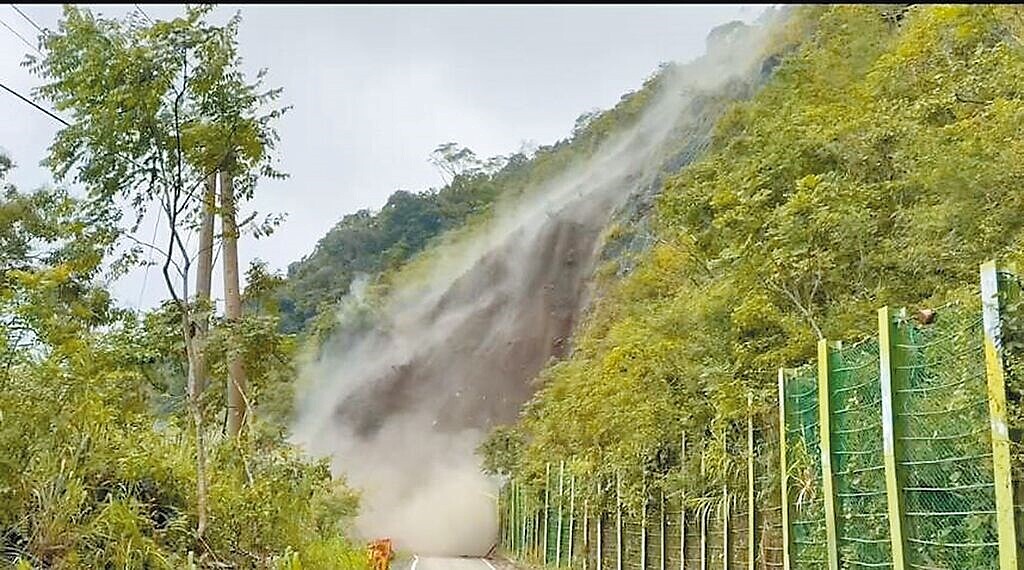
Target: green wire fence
[(894, 452)]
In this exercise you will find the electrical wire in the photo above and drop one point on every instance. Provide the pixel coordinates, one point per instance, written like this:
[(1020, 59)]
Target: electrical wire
[(144, 14), (30, 20), (20, 37), (34, 104)]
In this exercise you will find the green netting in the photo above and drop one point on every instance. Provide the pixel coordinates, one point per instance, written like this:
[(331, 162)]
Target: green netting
[(943, 455), (807, 508), (858, 464), (944, 448)]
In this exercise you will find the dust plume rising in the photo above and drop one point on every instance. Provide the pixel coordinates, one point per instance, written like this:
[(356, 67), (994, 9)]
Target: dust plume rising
[(401, 405)]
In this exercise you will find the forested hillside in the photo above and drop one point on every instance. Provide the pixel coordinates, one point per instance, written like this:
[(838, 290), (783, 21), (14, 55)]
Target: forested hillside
[(879, 165)]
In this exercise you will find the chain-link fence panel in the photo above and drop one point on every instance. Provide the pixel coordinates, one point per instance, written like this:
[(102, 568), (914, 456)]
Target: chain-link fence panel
[(737, 543), (631, 541), (768, 495), (716, 534), (608, 544), (806, 500), (858, 463), (693, 538), (944, 447), (673, 531)]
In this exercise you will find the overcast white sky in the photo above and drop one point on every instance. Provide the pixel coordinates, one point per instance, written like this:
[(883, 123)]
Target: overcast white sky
[(376, 88)]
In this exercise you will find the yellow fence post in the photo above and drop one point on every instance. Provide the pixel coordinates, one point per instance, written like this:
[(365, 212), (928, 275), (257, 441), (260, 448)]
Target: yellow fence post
[(751, 520), (784, 476), (824, 422), (725, 527), (547, 505), (558, 527), (663, 531), (618, 522), (995, 371), (643, 532), (887, 361), (682, 510), (600, 538)]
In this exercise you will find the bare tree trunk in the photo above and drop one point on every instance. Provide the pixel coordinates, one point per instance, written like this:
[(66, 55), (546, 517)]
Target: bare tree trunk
[(237, 384), (197, 372), (204, 275)]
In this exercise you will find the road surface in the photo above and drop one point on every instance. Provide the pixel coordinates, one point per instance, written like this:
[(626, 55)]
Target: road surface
[(427, 563)]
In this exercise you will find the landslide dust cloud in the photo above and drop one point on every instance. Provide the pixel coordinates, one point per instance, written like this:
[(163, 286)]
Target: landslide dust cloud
[(401, 407)]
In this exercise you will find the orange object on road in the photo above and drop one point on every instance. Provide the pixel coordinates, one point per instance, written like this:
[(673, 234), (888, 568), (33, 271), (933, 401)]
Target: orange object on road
[(380, 553)]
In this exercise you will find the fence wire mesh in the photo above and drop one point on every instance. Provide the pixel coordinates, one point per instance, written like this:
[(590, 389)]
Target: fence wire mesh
[(768, 497), (944, 474), (944, 442), (862, 525), (807, 506)]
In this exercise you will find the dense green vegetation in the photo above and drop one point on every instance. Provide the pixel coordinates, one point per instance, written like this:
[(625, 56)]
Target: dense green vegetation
[(97, 470), (112, 458), (879, 166)]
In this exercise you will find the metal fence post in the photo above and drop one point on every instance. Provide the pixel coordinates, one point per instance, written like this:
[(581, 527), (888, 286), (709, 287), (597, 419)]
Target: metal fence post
[(540, 540), (572, 514), (643, 534), (586, 533), (725, 527), (784, 476), (704, 537), (505, 513), (751, 520), (618, 522), (547, 505), (522, 523), (887, 335), (662, 527), (824, 421), (558, 528), (996, 374), (682, 511)]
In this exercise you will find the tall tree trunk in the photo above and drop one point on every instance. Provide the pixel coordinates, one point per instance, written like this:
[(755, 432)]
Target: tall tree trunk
[(197, 345), (204, 275), (237, 384)]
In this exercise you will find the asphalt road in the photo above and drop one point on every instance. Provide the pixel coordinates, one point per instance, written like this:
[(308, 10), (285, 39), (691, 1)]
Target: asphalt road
[(425, 563)]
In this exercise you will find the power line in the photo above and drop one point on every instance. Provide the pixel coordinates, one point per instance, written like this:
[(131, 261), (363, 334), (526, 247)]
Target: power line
[(34, 104), (30, 20), (143, 12), (20, 37)]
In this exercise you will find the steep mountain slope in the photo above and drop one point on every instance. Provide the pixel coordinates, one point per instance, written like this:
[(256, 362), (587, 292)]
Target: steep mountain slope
[(402, 397), (879, 165)]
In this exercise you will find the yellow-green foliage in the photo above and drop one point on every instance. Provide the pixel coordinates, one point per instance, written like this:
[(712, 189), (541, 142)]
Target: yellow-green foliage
[(880, 165), (92, 478), (98, 465)]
